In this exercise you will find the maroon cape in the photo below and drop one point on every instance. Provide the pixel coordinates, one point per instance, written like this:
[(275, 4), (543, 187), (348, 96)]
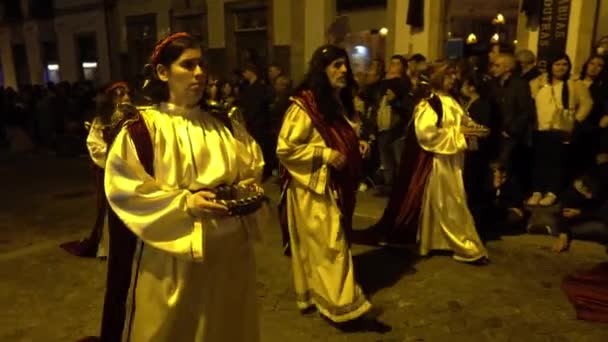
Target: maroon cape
[(338, 135), (588, 292), (399, 222)]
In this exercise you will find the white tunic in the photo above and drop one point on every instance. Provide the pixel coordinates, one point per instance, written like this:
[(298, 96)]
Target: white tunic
[(196, 277)]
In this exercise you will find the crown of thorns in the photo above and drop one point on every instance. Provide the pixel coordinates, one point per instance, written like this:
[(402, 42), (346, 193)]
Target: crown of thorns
[(163, 43)]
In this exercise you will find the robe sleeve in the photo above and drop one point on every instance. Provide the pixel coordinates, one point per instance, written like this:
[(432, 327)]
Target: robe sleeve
[(249, 154), (439, 140), (305, 161), (97, 147), (157, 216)]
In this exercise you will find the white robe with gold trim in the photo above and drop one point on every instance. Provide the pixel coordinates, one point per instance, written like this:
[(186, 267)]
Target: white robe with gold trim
[(196, 279), (322, 261), (446, 222)]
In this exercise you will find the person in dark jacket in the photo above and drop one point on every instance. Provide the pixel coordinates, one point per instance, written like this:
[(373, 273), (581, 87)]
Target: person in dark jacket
[(527, 65), (255, 103), (515, 109)]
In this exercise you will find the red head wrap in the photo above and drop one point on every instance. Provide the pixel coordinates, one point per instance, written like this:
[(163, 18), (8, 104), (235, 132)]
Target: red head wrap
[(115, 86), (163, 43)]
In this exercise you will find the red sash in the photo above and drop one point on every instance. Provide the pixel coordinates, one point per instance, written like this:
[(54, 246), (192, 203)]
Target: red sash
[(340, 136)]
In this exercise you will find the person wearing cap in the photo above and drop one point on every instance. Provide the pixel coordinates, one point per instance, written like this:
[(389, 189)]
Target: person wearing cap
[(320, 156), (194, 268)]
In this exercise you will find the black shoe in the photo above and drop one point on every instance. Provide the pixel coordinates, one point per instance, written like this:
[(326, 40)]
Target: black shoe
[(365, 323)]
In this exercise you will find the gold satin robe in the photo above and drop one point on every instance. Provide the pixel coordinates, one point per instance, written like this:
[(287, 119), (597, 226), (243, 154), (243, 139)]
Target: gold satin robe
[(446, 222), (322, 262), (196, 278), (98, 151)]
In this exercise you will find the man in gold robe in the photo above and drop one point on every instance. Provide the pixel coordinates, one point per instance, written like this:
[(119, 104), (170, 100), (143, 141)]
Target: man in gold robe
[(320, 154)]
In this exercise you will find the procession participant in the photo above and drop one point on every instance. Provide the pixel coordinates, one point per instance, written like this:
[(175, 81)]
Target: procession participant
[(320, 154), (98, 140), (194, 269)]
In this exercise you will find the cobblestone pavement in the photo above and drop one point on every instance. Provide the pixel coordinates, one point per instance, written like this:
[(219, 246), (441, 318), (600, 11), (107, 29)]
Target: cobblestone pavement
[(48, 295)]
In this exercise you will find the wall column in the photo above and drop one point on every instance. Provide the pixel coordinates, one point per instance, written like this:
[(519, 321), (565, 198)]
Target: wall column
[(318, 15), (68, 66), (580, 32), (404, 40), (6, 56), (31, 33)]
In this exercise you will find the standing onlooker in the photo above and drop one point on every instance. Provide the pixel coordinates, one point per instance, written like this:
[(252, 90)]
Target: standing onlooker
[(585, 138), (560, 104), (527, 65), (274, 71), (255, 102), (416, 64), (479, 149), (515, 110), (394, 112)]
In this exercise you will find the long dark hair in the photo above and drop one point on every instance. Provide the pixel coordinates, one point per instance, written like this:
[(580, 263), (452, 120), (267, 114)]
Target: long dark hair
[(565, 91), (316, 80), (586, 65), (165, 53)]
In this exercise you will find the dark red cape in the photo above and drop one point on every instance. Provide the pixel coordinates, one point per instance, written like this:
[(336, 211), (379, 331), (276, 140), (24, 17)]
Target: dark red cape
[(338, 135), (399, 222)]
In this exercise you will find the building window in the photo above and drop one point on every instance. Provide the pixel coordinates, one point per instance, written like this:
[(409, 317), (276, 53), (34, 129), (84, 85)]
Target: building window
[(12, 10), (195, 24), (86, 47), (346, 5), (250, 20), (41, 9)]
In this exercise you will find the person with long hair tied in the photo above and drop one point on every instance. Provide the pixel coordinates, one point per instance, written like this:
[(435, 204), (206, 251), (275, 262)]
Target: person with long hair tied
[(184, 182), (428, 205), (320, 156), (108, 100)]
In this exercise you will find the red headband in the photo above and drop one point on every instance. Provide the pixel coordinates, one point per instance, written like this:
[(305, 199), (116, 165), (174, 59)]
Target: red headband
[(115, 86), (163, 43)]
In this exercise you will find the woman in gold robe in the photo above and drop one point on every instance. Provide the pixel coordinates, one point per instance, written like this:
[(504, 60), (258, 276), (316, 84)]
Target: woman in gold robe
[(442, 129), (194, 270)]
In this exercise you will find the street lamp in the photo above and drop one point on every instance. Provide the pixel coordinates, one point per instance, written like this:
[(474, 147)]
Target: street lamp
[(471, 39), (498, 21)]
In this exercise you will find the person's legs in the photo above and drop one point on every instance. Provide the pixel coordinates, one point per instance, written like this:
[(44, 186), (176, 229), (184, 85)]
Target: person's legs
[(387, 158)]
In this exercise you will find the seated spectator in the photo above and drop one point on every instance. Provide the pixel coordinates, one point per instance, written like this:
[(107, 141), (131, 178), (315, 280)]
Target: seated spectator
[(501, 208), (585, 204)]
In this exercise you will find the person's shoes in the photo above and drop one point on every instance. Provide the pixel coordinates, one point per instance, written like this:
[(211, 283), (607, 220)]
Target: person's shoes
[(535, 198), (365, 324), (309, 310), (548, 200), (82, 248), (90, 339), (382, 191)]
